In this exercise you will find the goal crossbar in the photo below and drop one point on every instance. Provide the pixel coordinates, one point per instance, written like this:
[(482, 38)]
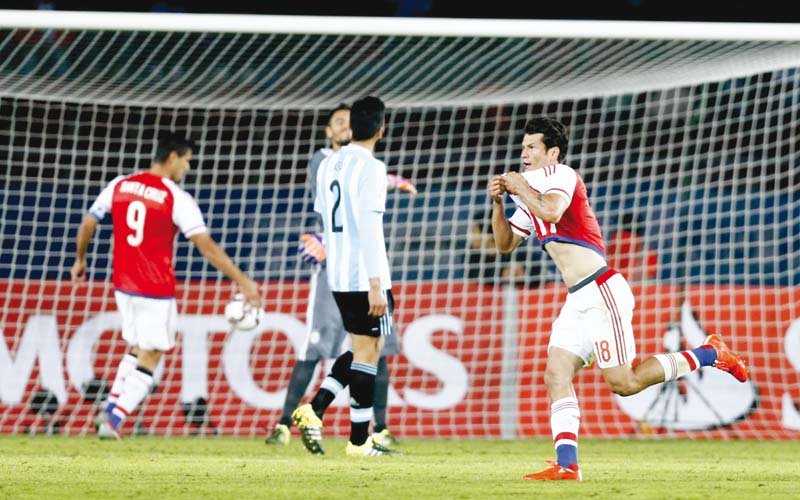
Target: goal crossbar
[(354, 25)]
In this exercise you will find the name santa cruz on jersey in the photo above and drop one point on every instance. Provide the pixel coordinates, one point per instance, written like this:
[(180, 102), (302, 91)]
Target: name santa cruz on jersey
[(147, 211)]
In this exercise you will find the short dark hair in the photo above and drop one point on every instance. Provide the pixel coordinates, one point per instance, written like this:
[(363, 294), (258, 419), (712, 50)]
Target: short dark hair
[(340, 107), (172, 141), (554, 132), (366, 117)]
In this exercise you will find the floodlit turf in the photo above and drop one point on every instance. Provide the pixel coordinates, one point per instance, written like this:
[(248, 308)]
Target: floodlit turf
[(41, 467)]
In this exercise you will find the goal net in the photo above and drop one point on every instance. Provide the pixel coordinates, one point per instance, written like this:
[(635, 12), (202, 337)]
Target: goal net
[(686, 137)]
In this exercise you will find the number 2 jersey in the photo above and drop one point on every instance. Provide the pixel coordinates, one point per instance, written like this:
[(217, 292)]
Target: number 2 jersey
[(350, 181), (147, 211), (578, 224)]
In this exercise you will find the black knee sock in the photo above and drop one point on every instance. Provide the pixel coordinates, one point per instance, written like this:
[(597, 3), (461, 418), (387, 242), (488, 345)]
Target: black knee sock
[(301, 376), (381, 395), (362, 394), (337, 379)]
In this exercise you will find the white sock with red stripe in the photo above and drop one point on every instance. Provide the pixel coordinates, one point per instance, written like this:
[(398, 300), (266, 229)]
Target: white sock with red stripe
[(677, 364), (565, 419), (680, 363), (135, 388), (126, 366)]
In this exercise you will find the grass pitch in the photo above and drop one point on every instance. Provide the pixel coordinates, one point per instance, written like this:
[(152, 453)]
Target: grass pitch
[(58, 467)]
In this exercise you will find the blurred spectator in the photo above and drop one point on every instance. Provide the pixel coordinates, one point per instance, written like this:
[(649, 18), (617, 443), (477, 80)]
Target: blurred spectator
[(628, 252)]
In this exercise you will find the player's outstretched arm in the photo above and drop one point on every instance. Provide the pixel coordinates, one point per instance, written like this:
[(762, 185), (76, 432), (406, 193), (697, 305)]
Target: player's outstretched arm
[(219, 259), (311, 249), (85, 233), (394, 181)]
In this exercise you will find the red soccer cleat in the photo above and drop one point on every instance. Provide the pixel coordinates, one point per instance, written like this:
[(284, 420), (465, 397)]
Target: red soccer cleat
[(727, 360), (555, 473)]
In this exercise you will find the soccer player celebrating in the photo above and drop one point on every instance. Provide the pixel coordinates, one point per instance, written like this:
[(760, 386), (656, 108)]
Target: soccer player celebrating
[(325, 329), (595, 321), (147, 210), (351, 199)]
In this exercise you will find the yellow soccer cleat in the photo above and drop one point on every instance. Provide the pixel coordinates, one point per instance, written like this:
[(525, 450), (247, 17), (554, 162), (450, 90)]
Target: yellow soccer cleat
[(369, 449), (310, 427), (384, 438), (280, 435)]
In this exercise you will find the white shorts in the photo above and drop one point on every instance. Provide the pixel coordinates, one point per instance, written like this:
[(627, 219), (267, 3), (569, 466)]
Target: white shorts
[(596, 319), (148, 323)]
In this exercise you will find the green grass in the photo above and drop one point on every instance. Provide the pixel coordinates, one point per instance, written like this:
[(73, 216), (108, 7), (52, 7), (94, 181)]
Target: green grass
[(58, 467)]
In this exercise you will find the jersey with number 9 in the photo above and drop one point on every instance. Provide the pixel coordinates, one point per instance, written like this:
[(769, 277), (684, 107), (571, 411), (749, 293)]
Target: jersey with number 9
[(147, 211)]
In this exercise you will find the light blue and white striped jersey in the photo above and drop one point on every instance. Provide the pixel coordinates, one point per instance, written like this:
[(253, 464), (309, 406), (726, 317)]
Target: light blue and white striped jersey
[(348, 181)]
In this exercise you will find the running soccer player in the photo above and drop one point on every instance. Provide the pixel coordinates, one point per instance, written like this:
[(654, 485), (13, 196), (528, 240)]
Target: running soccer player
[(595, 321)]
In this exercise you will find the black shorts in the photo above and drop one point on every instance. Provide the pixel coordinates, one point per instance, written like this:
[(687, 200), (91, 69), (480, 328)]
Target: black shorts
[(354, 307)]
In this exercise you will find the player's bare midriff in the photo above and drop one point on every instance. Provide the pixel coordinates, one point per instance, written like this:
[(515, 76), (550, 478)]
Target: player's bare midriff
[(574, 262)]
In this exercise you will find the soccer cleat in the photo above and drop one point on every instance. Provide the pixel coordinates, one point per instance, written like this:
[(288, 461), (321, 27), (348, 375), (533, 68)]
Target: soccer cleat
[(369, 449), (727, 360), (384, 438), (555, 472), (310, 427), (280, 435), (99, 419), (104, 431), (109, 426)]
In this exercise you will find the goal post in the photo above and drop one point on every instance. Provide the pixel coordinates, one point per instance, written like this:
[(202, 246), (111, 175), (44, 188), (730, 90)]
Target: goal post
[(685, 133)]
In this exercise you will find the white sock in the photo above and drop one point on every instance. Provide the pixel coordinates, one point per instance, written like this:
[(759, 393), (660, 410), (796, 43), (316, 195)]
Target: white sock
[(678, 364), (565, 421), (135, 388), (126, 366), (332, 385)]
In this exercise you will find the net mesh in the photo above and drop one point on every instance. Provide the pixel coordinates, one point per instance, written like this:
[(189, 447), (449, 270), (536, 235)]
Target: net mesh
[(688, 149)]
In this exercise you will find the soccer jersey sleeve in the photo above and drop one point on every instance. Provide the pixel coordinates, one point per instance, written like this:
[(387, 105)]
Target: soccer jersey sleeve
[(185, 212), (319, 201), (372, 187), (102, 205), (521, 223), (313, 168), (559, 179), (314, 221)]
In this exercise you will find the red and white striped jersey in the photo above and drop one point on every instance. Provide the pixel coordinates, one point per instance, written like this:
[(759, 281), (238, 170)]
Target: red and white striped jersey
[(147, 210), (578, 224)]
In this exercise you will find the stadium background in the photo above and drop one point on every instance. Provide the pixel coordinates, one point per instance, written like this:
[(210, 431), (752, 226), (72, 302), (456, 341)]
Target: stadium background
[(717, 193)]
